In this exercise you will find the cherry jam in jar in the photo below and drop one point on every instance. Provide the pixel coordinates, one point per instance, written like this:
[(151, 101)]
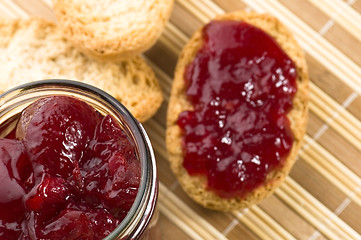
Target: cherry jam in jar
[(103, 182), (241, 85)]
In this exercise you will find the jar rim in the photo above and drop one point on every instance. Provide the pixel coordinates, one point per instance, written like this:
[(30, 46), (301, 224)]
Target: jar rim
[(145, 152)]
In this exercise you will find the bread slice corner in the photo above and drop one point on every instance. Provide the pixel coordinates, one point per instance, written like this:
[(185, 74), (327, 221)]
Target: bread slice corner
[(34, 49), (112, 30)]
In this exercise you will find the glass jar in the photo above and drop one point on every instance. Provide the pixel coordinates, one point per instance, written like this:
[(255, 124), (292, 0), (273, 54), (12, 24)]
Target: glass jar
[(140, 222)]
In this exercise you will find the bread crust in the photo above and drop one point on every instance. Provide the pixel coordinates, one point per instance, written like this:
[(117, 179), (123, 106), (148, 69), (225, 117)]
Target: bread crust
[(113, 30), (195, 186), (35, 49)]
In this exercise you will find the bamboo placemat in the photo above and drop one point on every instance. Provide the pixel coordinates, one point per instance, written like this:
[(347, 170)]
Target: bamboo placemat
[(321, 199)]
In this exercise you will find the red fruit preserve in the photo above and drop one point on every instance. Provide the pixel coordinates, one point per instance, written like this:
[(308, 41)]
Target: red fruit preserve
[(69, 170), (241, 85)]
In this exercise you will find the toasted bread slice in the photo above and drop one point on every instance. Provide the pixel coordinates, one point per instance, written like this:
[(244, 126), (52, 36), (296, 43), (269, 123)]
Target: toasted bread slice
[(195, 186), (35, 49), (113, 29)]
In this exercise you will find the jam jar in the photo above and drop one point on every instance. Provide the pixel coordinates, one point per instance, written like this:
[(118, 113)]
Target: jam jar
[(140, 221)]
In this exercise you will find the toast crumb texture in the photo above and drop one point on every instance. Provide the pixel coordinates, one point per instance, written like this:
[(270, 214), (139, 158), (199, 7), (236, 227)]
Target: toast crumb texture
[(35, 49), (113, 29), (195, 186)]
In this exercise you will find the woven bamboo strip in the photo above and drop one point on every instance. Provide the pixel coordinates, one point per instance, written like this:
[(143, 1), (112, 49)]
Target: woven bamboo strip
[(177, 221), (156, 133), (275, 226), (257, 225), (342, 13), (254, 227), (335, 113), (178, 41), (5, 12), (335, 125), (317, 150), (328, 215), (164, 80), (187, 215), (336, 177), (315, 212), (320, 98), (315, 45), (332, 164), (299, 208), (177, 36), (210, 11), (12, 10), (343, 180), (167, 42), (194, 10), (48, 2)]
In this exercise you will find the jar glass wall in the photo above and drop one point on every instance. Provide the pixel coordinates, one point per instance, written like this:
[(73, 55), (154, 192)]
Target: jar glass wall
[(138, 223)]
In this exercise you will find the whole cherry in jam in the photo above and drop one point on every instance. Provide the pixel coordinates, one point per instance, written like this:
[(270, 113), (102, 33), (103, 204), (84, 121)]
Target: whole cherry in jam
[(111, 158), (241, 85), (68, 173), (14, 167), (73, 222), (55, 131)]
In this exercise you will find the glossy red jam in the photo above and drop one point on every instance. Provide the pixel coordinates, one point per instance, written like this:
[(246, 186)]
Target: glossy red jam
[(241, 85), (68, 172)]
